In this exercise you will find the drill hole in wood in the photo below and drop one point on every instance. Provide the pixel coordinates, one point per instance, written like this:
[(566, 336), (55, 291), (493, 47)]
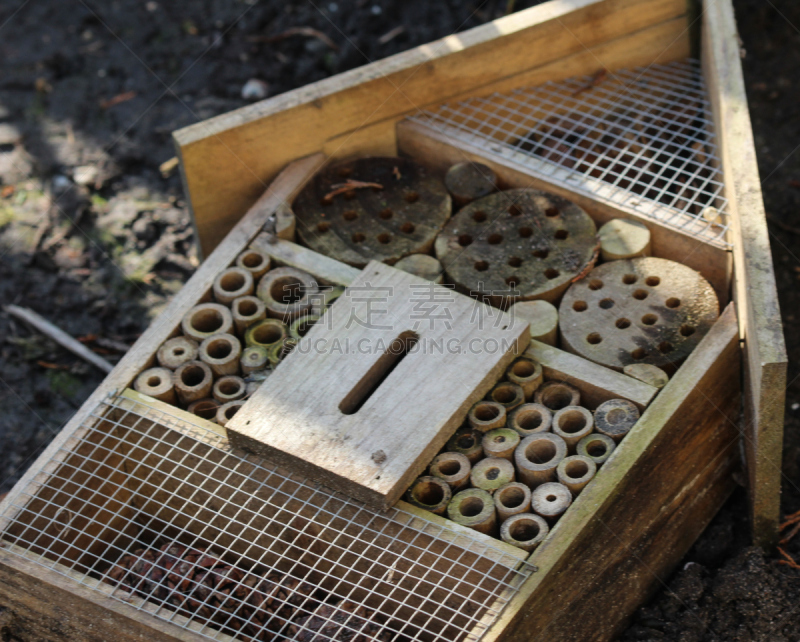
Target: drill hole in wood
[(552, 211), (385, 214), (561, 235), (481, 266), (512, 281), (640, 295), (541, 254), (323, 227), (350, 215), (673, 302), (665, 347), (551, 273), (652, 281), (579, 306), (606, 304), (384, 238), (407, 228), (595, 284), (495, 239), (623, 323), (525, 232), (515, 261), (629, 279), (513, 210), (358, 237), (479, 216), (411, 197), (464, 240), (638, 354), (687, 330), (594, 338), (649, 319)]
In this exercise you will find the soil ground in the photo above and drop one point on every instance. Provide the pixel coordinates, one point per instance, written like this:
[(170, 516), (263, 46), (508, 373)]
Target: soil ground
[(93, 236)]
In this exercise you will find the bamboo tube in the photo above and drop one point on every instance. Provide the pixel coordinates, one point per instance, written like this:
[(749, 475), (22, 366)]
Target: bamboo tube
[(221, 352), (500, 442), (231, 284), (511, 499), (265, 333), (205, 408), (557, 395), (537, 458), (254, 261), (193, 381), (226, 412), (430, 493), (229, 388), (615, 418), (575, 472), (525, 531), (530, 418), (473, 508), (300, 326), (452, 468), (487, 415), (157, 383), (467, 442), (572, 424), (206, 319), (491, 473), (176, 351), (507, 394), (551, 500), (596, 447), (527, 374), (325, 298), (279, 351), (253, 358), (287, 293), (247, 310)]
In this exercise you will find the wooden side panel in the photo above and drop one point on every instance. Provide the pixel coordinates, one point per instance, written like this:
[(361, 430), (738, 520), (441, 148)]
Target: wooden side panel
[(227, 160), (627, 530), (755, 290)]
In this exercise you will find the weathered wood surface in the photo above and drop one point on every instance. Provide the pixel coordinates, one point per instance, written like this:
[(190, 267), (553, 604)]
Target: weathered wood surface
[(755, 291), (656, 493), (368, 417)]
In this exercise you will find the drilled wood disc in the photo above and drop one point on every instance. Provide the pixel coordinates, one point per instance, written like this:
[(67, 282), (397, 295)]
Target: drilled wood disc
[(517, 245), (645, 310), (385, 223)]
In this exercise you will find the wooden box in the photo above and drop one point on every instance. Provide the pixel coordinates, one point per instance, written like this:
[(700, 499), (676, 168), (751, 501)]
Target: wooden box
[(126, 468)]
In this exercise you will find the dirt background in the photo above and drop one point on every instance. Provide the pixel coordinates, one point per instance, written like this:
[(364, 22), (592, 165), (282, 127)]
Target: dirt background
[(96, 238)]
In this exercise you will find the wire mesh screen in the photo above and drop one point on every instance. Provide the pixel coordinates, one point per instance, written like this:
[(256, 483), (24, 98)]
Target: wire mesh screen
[(160, 513), (641, 139)]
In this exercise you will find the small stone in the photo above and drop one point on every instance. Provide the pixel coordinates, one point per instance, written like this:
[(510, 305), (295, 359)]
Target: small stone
[(376, 10), (86, 174), (255, 89), (61, 183)]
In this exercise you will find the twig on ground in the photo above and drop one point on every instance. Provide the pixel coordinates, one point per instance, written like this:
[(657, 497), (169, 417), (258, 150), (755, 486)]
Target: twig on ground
[(391, 35), (309, 32), (116, 100)]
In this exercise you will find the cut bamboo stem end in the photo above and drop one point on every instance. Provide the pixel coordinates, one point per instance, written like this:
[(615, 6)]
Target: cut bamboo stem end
[(550, 500), (423, 266), (205, 409), (650, 374), (615, 418), (530, 419), (467, 442), (500, 442), (525, 531), (491, 473), (557, 395), (325, 298), (221, 352), (227, 411), (487, 415), (287, 293), (512, 499), (596, 447), (623, 239), (542, 318), (453, 469), (575, 472), (507, 394), (537, 458), (253, 358), (157, 383), (266, 333), (279, 351), (255, 262), (527, 374), (469, 181), (474, 508), (302, 325), (572, 424), (176, 351), (193, 381), (247, 310), (231, 284), (206, 319), (229, 388), (430, 493)]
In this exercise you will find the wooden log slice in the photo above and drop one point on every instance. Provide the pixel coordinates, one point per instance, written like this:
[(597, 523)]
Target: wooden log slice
[(520, 244), (385, 223), (469, 181), (645, 310)]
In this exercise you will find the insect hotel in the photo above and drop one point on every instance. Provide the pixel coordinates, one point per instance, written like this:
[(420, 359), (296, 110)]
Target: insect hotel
[(547, 235)]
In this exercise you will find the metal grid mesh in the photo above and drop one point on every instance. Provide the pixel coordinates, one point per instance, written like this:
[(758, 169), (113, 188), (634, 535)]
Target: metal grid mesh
[(641, 139), (136, 476)]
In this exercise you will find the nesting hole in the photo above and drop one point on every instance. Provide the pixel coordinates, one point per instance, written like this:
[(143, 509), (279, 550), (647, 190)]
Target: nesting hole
[(231, 411), (479, 216), (638, 353), (499, 439), (594, 338), (411, 197), (304, 326), (464, 240), (556, 397), (230, 387), (576, 469), (206, 409), (579, 306), (465, 442), (350, 215), (178, 352), (595, 284), (232, 281), (358, 237), (219, 348), (596, 448), (551, 273), (481, 266), (323, 227), (384, 238), (606, 304), (523, 369), (267, 333), (449, 468), (541, 254), (428, 493), (512, 281), (529, 419), (629, 279), (572, 421), (551, 211), (515, 261), (504, 394), (514, 210), (524, 530), (207, 321), (286, 290), (246, 308), (687, 330), (673, 302), (665, 347), (561, 235), (652, 281), (386, 214), (649, 319), (407, 228), (154, 381), (471, 506), (511, 497), (193, 376), (525, 232), (253, 260), (540, 451), (486, 412), (495, 239), (492, 473), (616, 416), (551, 498), (623, 323), (641, 295)]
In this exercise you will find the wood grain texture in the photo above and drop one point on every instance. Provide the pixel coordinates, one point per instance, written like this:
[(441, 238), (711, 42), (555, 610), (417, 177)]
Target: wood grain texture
[(596, 383), (755, 290), (440, 151), (362, 419), (326, 270), (625, 532), (227, 160)]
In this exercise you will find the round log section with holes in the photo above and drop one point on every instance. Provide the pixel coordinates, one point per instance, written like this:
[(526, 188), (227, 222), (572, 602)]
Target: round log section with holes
[(596, 447), (469, 181), (231, 284), (367, 209), (467, 442), (521, 244), (530, 418), (157, 383), (253, 358), (193, 381), (527, 374), (512, 499), (525, 531), (556, 395), (254, 261), (623, 239), (551, 500), (507, 394), (474, 508), (537, 458), (575, 472), (246, 311), (174, 352), (572, 424), (615, 418), (542, 317), (221, 352), (491, 473), (646, 310), (453, 469), (205, 409), (229, 388), (226, 411), (206, 319), (651, 375), (501, 442), (487, 415), (422, 265), (287, 293), (430, 493)]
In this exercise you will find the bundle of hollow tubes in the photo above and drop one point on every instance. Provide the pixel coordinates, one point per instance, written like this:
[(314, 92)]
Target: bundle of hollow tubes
[(523, 455), (229, 346)]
